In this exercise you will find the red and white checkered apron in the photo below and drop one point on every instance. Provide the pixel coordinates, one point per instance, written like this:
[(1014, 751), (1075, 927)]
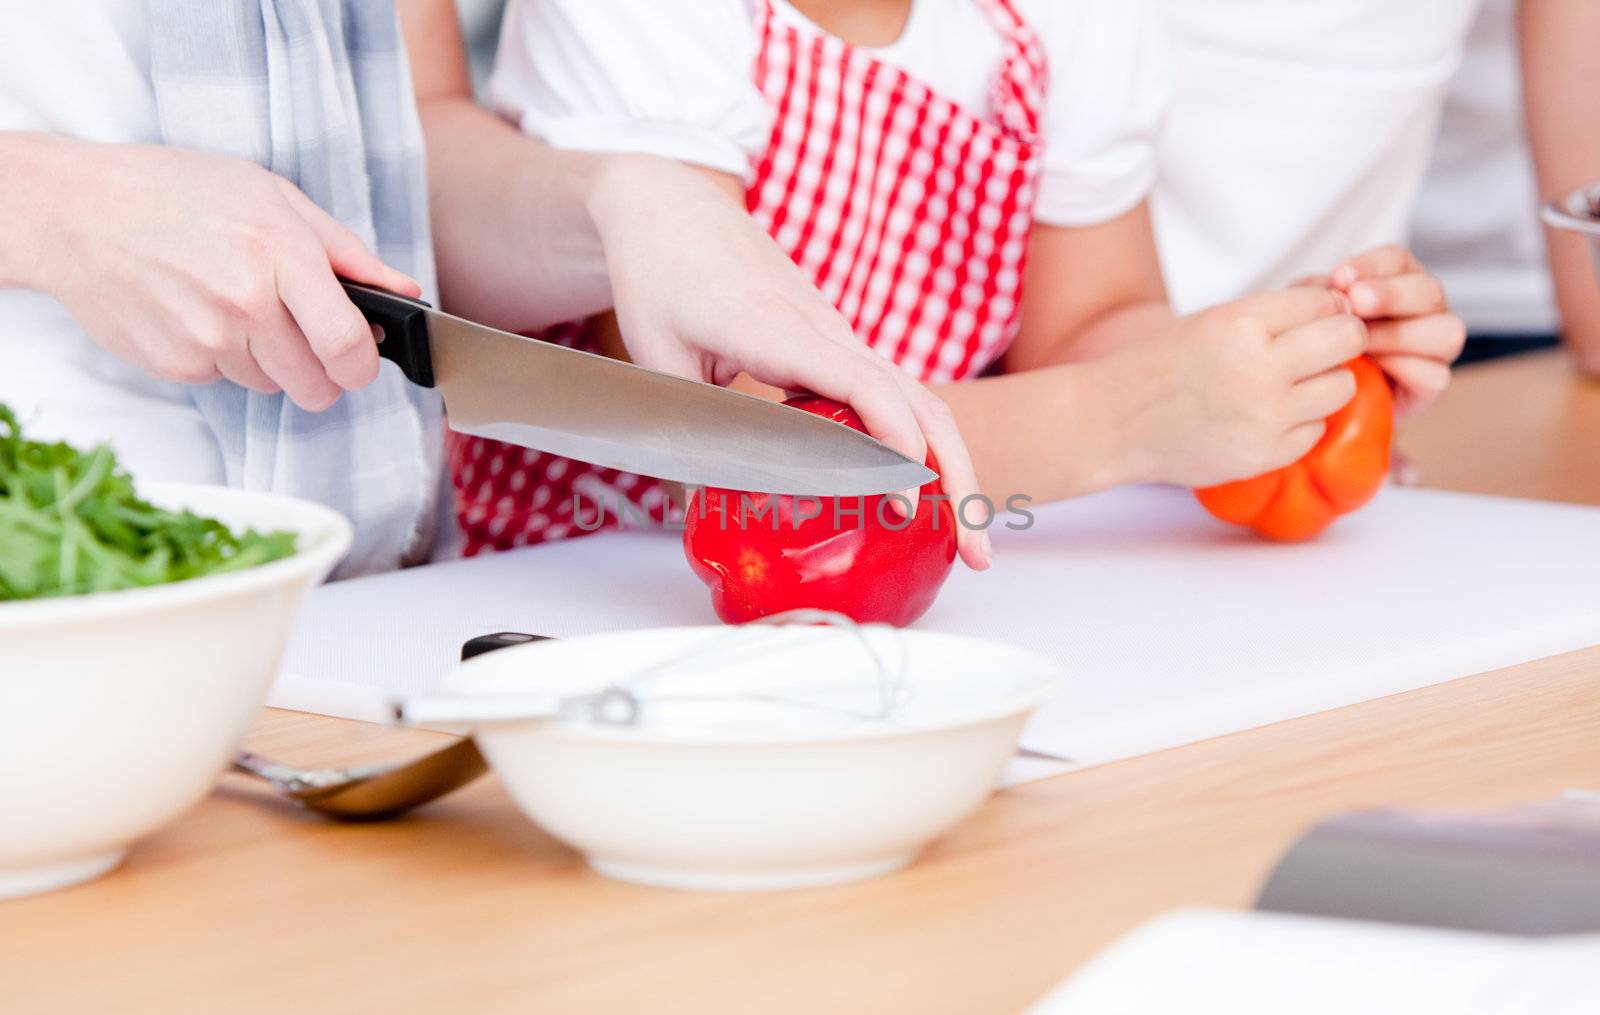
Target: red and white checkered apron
[(910, 212)]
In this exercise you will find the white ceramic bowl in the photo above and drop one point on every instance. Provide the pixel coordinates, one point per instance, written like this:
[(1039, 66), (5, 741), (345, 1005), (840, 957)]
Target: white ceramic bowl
[(117, 710), (742, 796)]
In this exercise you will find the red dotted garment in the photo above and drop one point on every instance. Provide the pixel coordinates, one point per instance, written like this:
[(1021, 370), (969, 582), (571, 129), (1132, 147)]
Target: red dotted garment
[(909, 212)]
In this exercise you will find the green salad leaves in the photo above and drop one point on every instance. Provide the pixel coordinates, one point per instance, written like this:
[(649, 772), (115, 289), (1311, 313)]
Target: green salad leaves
[(71, 523)]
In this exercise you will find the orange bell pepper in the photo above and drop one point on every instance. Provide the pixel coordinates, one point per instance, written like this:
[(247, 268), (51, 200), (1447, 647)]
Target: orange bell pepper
[(1344, 471)]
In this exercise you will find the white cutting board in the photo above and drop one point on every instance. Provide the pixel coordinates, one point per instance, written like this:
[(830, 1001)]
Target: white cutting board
[(1170, 626)]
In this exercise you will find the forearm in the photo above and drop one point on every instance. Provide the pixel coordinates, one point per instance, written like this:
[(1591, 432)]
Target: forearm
[(1110, 330), (515, 229), (1050, 434), (1090, 290), (1561, 75), (516, 243), (1116, 328), (33, 166)]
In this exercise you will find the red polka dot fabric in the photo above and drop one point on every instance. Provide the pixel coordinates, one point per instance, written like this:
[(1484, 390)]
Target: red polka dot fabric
[(909, 212)]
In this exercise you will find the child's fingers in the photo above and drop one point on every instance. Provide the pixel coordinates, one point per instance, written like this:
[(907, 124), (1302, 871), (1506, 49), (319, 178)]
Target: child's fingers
[(1300, 440), (1320, 346), (1285, 309), (1403, 470), (870, 385), (1410, 295), (1319, 397), (1418, 380), (956, 472), (651, 343), (1435, 336), (1376, 263), (1312, 282)]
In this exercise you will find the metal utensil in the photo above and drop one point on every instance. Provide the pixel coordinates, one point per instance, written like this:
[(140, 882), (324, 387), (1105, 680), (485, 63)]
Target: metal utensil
[(625, 701), (376, 792), (1578, 212), (614, 414)]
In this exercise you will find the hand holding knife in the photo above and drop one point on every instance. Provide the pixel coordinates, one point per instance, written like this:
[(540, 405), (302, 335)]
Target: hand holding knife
[(618, 415)]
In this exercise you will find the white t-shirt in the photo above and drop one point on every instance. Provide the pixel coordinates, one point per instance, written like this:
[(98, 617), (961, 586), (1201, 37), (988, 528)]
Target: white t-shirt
[(81, 68), (1298, 134), (1476, 223), (674, 78)]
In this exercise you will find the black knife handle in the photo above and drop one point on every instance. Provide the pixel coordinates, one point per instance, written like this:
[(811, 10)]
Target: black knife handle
[(405, 328), (484, 643)]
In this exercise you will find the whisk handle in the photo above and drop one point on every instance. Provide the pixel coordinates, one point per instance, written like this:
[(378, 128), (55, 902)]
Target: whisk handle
[(485, 643)]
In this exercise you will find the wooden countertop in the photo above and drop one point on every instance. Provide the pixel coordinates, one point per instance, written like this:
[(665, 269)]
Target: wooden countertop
[(1527, 426), (248, 905)]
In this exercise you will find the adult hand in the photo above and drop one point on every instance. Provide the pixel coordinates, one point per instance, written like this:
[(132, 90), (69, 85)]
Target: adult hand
[(197, 267), (1236, 390), (1413, 335), (701, 291)]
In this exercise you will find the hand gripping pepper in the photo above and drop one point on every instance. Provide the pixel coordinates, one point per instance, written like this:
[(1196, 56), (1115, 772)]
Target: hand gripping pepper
[(1344, 471)]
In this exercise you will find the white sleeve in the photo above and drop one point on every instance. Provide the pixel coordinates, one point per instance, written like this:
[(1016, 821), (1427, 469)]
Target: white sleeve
[(1107, 92), (662, 77)]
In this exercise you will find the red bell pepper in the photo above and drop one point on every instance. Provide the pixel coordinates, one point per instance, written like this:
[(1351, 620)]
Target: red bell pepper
[(763, 554)]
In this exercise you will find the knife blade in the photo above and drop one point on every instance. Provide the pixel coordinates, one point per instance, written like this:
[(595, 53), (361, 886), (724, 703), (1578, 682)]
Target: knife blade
[(618, 415)]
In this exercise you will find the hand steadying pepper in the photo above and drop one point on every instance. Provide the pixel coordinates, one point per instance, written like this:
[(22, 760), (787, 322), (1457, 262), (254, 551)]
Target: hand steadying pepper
[(763, 554), (1344, 471), (1411, 333), (1412, 338)]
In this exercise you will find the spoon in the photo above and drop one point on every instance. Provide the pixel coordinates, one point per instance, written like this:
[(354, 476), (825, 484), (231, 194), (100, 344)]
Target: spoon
[(372, 792), (376, 792)]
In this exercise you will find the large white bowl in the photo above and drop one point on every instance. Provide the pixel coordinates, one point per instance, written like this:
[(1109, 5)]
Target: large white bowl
[(709, 800), (117, 710)]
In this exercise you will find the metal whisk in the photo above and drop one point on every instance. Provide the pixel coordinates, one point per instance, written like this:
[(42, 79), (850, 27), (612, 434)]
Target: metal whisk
[(627, 701)]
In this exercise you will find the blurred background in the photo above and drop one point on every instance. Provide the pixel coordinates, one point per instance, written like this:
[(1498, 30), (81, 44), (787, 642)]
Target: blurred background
[(1476, 223), (481, 20)]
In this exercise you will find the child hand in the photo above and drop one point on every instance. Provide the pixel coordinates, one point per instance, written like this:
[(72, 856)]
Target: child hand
[(702, 291), (1236, 390), (1413, 335)]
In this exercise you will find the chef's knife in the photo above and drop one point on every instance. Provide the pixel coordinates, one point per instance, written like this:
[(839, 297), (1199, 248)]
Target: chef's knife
[(618, 415)]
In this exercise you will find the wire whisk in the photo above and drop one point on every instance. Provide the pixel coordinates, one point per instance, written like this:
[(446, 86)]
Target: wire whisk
[(707, 675)]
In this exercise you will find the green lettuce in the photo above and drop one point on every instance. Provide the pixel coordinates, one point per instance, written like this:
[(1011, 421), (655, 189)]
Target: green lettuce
[(70, 523)]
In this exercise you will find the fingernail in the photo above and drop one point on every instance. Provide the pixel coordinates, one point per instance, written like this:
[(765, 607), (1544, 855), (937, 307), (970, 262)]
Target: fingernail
[(905, 502), (986, 547), (1364, 299), (1343, 276)]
